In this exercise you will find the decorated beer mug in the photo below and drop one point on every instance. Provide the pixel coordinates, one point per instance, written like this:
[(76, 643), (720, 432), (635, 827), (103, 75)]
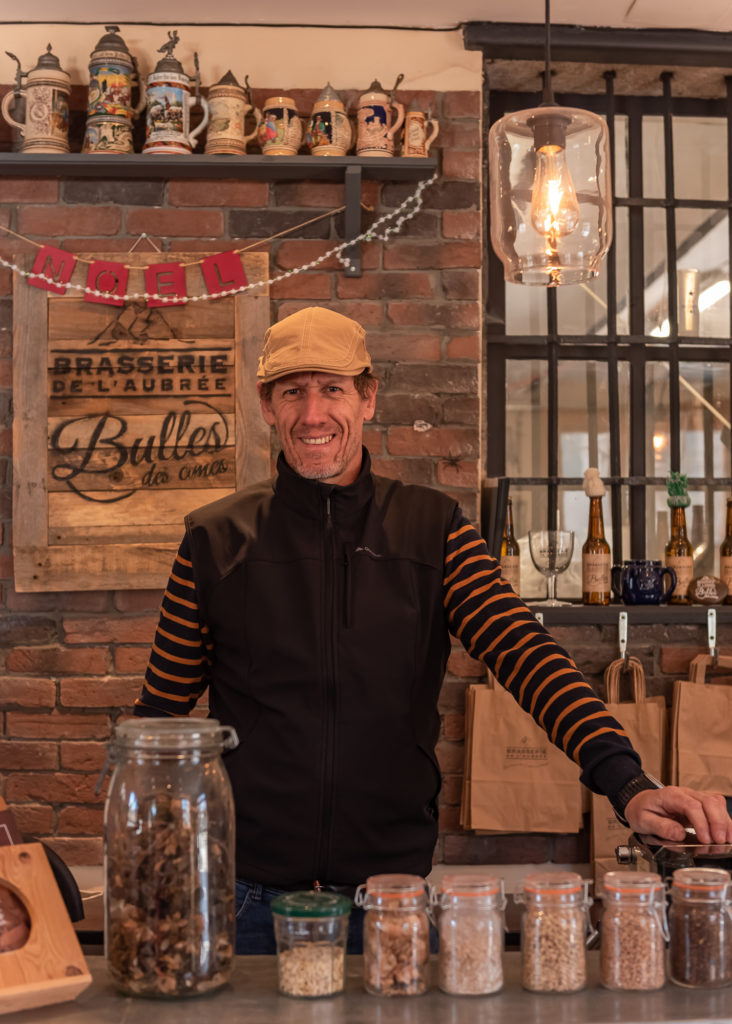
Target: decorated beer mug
[(280, 133), (329, 131), (46, 90), (228, 105), (420, 131), (112, 75), (169, 105), (379, 119)]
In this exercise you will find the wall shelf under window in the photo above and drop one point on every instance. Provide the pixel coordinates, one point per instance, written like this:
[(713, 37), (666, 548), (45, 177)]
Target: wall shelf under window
[(638, 615)]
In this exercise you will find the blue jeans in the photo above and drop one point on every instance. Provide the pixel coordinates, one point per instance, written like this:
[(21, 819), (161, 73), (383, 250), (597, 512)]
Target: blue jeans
[(254, 926)]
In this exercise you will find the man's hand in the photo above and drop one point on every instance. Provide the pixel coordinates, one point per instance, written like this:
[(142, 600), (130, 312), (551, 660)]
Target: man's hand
[(667, 813)]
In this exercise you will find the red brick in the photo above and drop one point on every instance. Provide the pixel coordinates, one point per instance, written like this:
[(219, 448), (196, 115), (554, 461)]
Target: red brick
[(51, 787), (387, 286), (178, 222), (91, 692), (57, 725), (400, 346), (6, 566), (310, 193), (27, 693), (408, 255), (84, 601), (69, 220), (131, 660), (461, 223), (81, 821), (448, 818), (29, 602), (114, 245), (526, 848), (373, 439), (33, 819), (465, 165), (447, 314), (437, 441), (459, 135), (464, 346), (83, 757), (218, 193), (461, 664), (138, 600), (450, 756), (409, 471), (297, 252), (16, 755), (307, 285), (675, 660), (131, 629), (78, 851), (453, 727), (452, 696), (366, 313), (465, 474), (6, 381), (29, 190), (58, 660), (461, 284), (452, 790), (462, 104)]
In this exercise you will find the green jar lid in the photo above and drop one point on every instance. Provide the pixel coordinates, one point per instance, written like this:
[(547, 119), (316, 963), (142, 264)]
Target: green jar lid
[(311, 904)]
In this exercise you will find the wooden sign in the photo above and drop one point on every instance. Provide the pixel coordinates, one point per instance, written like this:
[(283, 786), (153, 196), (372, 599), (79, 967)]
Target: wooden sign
[(127, 417)]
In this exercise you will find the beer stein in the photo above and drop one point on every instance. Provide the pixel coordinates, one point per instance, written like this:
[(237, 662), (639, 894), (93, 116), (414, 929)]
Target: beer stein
[(169, 105), (229, 105), (280, 133), (379, 119), (112, 74), (329, 131), (46, 91), (420, 131)]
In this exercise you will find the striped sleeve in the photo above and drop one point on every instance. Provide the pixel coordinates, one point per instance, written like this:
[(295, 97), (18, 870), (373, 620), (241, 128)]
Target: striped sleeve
[(497, 628), (181, 656)]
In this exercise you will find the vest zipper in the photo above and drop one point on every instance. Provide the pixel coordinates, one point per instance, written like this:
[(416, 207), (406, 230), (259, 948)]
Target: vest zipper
[(328, 782)]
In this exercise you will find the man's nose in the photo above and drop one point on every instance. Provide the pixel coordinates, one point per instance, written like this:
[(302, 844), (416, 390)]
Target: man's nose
[(313, 407)]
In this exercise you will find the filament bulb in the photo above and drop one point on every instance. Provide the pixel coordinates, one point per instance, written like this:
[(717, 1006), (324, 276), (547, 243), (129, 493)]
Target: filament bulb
[(554, 207)]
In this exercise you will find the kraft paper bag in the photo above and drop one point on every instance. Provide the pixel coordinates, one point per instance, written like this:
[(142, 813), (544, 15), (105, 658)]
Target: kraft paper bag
[(645, 720), (701, 727), (516, 779)]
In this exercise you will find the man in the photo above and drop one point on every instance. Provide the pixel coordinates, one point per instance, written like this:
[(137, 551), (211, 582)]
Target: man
[(316, 608)]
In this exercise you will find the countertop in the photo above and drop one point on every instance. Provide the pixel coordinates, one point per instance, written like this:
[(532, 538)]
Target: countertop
[(252, 997)]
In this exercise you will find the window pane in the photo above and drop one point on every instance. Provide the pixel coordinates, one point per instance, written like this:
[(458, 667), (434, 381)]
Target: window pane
[(655, 273), (525, 309), (582, 308), (702, 239), (705, 419), (654, 181), (696, 178), (658, 457), (621, 155), (584, 423), (526, 404)]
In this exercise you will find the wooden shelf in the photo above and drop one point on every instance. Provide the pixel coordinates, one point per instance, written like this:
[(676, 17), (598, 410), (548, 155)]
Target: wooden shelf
[(638, 615)]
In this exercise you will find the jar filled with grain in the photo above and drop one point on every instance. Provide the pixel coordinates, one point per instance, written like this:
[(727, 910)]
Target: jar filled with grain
[(700, 926), (471, 930), (554, 929), (396, 935), (633, 931), (311, 930), (169, 857)]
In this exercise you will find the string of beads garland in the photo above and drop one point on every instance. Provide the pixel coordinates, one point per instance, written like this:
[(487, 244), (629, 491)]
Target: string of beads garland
[(381, 230)]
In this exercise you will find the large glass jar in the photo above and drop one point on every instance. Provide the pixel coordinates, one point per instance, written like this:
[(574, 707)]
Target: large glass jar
[(700, 926), (633, 931), (554, 927), (471, 929), (396, 935), (311, 929), (169, 857)]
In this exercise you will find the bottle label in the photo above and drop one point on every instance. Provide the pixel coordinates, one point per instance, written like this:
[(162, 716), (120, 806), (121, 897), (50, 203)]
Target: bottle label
[(596, 573), (511, 571), (683, 566), (725, 570)]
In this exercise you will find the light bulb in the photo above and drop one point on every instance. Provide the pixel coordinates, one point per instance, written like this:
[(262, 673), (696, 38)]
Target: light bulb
[(554, 207)]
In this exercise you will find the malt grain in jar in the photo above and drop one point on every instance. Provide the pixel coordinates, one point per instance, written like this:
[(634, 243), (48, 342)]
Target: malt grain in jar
[(471, 930), (554, 929), (700, 927), (633, 931)]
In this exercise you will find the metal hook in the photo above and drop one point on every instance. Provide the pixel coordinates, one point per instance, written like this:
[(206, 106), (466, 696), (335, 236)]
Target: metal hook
[(712, 634), (623, 636)]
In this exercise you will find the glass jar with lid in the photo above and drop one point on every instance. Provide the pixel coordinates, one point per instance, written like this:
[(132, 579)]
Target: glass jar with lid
[(554, 930), (396, 934), (311, 930), (633, 931), (169, 857), (700, 926), (471, 930)]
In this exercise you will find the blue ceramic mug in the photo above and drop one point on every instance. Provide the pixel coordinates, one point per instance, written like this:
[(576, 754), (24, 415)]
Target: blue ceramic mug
[(641, 581)]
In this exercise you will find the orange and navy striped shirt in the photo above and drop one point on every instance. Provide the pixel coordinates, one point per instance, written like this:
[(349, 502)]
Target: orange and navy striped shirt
[(483, 613)]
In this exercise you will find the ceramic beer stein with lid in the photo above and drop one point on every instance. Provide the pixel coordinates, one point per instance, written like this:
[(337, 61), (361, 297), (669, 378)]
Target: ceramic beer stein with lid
[(280, 133), (46, 90), (169, 105), (329, 130), (420, 131), (229, 105), (109, 115), (379, 119)]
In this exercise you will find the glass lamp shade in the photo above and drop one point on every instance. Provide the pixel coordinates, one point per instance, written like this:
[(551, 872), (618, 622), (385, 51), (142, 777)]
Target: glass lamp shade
[(550, 194)]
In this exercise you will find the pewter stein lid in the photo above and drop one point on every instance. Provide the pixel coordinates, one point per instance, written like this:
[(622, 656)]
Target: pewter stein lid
[(328, 95), (375, 86), (111, 41), (48, 60), (169, 62), (228, 79)]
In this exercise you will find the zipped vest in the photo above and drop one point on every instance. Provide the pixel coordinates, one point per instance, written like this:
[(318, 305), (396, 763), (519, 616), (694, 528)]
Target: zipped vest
[(324, 606)]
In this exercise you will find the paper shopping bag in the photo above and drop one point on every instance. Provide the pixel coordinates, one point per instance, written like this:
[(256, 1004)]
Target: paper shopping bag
[(516, 779), (701, 727)]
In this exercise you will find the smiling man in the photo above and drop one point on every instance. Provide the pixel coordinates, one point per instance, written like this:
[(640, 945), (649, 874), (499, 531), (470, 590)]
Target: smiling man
[(317, 608)]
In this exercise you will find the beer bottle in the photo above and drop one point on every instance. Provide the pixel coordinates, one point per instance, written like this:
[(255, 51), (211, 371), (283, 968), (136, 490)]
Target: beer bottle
[(725, 555), (679, 552), (510, 554), (595, 550)]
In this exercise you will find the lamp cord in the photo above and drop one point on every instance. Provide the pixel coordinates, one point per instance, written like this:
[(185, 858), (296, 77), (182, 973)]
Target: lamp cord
[(547, 99)]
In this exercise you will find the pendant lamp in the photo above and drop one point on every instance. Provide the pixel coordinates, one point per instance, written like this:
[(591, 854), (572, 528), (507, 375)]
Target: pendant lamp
[(550, 193)]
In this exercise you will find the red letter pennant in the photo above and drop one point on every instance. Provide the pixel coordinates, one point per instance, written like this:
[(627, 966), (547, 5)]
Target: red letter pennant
[(166, 279), (55, 263), (223, 272), (108, 278)]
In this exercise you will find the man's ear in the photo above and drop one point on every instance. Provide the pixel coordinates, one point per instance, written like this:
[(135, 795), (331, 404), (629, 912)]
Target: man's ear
[(371, 401), (265, 406)]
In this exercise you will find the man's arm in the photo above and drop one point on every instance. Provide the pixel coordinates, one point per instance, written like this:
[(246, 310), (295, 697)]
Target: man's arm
[(180, 659)]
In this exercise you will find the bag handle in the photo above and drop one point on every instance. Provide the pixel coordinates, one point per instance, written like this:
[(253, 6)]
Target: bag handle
[(700, 664), (613, 677)]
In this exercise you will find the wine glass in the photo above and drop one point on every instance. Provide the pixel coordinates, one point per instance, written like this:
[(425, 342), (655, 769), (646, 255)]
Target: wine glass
[(551, 553)]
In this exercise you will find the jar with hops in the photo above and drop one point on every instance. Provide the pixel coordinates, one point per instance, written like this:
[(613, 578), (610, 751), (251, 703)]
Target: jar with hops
[(396, 934)]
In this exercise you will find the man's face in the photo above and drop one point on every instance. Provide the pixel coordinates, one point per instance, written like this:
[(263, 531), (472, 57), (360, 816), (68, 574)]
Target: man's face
[(319, 418)]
